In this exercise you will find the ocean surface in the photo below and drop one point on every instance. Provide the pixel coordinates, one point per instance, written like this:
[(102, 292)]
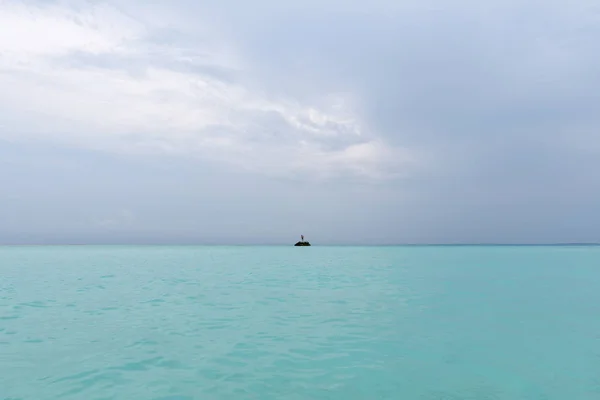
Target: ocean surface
[(216, 323)]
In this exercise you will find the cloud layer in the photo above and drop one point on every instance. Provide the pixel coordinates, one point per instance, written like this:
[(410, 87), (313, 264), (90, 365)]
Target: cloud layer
[(89, 74), (405, 121)]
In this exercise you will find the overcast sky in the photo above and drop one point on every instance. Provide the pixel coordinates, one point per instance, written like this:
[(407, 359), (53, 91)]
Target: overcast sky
[(228, 121)]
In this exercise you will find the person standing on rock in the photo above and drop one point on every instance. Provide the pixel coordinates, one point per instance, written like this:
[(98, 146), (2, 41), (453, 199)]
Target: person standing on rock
[(302, 237)]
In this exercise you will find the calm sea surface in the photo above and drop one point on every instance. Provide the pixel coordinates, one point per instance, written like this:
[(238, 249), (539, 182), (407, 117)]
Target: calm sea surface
[(178, 323)]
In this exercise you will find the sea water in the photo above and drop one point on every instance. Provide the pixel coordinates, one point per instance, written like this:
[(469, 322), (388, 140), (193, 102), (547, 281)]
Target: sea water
[(428, 323)]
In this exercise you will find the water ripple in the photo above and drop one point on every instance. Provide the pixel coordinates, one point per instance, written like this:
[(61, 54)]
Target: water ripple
[(180, 323)]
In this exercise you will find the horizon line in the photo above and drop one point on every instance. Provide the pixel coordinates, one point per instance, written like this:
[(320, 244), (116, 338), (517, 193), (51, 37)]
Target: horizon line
[(321, 245)]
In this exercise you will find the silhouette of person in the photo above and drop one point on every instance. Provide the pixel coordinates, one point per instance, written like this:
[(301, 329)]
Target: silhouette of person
[(302, 236)]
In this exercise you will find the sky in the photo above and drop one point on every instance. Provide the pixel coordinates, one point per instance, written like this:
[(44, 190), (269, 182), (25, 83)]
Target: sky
[(351, 122)]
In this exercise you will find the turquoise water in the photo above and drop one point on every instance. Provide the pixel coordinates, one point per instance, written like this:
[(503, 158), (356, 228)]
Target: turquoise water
[(428, 323)]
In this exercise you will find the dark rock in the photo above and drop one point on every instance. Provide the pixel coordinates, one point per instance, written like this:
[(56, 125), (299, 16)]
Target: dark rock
[(302, 244)]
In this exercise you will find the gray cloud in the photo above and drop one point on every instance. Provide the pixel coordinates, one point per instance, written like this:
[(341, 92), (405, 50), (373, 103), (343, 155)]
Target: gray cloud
[(481, 119)]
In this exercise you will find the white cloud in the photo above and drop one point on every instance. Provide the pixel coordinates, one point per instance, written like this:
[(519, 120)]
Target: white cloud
[(28, 30), (145, 102)]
